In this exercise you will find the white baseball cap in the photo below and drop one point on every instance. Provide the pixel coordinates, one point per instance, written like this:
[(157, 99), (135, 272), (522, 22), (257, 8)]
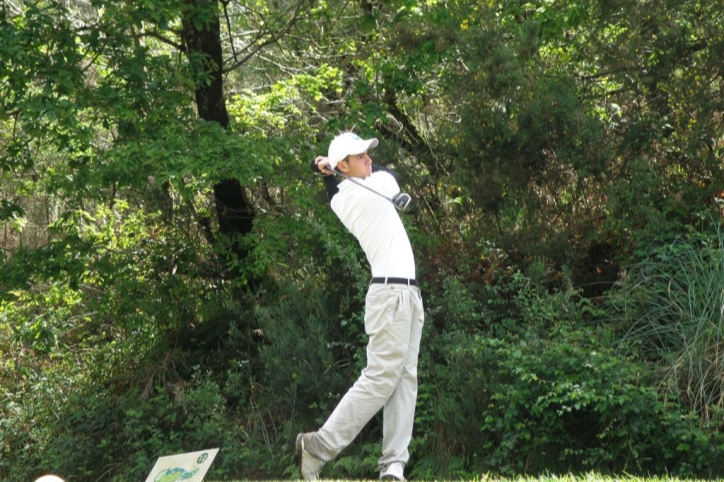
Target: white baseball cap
[(348, 144)]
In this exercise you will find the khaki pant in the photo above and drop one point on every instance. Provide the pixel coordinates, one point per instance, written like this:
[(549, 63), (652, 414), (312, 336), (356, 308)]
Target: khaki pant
[(393, 321)]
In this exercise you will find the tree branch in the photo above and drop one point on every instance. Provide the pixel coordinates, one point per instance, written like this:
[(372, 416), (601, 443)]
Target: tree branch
[(273, 39)]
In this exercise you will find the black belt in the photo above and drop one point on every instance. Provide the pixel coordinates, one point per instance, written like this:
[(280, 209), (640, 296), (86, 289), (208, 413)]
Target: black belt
[(394, 281)]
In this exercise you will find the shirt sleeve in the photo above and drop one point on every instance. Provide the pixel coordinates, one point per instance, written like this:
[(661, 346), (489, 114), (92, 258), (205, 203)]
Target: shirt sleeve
[(394, 174), (383, 181), (331, 185)]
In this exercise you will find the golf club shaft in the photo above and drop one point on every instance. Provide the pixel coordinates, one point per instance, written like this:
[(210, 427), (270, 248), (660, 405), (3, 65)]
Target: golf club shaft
[(360, 184)]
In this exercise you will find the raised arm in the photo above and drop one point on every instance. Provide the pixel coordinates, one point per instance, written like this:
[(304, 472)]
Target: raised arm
[(330, 181)]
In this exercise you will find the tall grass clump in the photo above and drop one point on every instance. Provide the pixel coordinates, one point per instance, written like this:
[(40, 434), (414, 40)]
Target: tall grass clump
[(672, 309)]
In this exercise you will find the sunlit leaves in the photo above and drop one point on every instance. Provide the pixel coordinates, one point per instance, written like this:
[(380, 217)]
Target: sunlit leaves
[(287, 101)]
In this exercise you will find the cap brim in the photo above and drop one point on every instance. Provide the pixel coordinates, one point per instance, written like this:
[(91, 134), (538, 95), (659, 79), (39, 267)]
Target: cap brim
[(364, 146)]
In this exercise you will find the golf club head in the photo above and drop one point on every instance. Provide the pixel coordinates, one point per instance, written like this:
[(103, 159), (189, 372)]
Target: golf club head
[(402, 201)]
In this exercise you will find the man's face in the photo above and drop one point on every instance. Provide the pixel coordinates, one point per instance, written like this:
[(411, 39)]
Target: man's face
[(357, 165)]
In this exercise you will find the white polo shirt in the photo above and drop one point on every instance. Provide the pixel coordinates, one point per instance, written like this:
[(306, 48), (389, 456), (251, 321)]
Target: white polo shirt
[(376, 224)]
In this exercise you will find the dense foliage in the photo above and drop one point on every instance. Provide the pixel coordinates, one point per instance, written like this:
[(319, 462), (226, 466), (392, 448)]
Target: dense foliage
[(173, 279)]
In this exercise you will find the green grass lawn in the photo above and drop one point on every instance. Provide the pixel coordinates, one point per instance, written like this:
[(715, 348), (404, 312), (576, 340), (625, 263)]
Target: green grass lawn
[(583, 478), (551, 478)]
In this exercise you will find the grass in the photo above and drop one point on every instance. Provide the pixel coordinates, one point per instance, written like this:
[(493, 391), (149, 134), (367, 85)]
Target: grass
[(592, 477), (674, 304)]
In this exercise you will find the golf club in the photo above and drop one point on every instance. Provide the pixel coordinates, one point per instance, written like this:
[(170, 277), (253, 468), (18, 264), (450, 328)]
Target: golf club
[(401, 200)]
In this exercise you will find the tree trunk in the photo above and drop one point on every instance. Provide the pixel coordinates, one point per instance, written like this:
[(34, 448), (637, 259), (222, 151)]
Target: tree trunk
[(202, 37)]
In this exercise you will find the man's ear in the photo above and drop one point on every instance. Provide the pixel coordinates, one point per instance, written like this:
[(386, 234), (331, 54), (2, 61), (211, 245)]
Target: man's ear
[(343, 166)]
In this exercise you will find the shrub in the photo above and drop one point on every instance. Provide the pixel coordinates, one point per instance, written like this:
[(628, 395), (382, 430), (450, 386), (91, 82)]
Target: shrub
[(547, 393), (312, 349)]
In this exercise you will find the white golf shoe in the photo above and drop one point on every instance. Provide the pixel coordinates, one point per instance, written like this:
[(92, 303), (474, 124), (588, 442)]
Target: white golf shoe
[(394, 471), (309, 465)]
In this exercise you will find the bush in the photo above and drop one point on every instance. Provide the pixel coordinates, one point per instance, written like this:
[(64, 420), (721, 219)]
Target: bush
[(539, 391), (313, 350), (569, 403), (90, 436)]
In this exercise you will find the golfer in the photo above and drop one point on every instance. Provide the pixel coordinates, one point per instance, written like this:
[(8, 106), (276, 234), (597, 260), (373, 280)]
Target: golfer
[(393, 315)]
